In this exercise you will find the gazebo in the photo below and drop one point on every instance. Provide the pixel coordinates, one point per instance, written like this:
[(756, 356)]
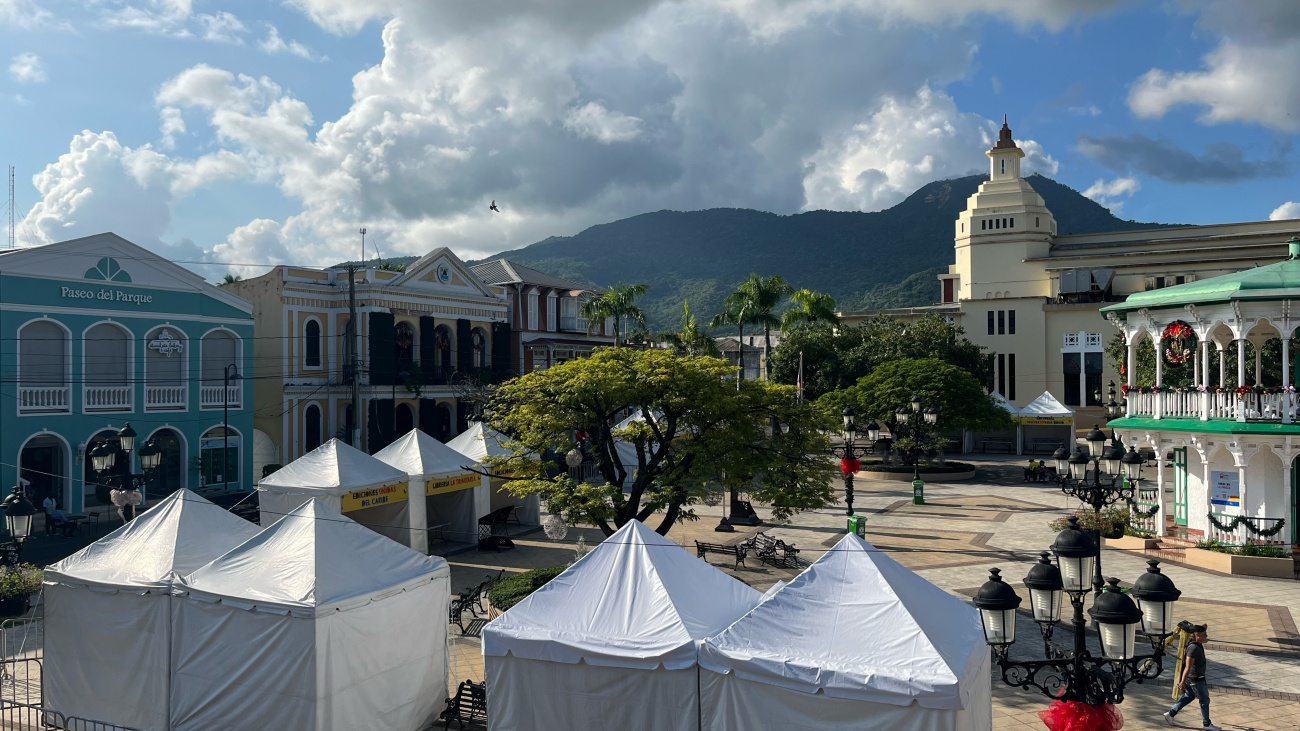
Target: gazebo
[(1231, 433)]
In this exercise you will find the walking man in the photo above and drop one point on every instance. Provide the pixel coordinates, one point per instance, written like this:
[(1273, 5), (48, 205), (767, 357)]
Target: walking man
[(1191, 680)]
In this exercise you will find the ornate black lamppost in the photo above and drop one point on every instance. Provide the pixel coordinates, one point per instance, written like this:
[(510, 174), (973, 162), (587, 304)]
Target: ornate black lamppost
[(112, 464), (1113, 407), (916, 424), (19, 512), (848, 454), (1097, 478), (1073, 673)]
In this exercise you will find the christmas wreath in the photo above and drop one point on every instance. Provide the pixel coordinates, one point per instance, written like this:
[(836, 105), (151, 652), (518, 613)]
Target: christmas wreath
[(1177, 335)]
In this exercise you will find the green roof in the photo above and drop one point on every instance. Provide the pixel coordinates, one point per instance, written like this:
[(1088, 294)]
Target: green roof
[(1213, 426), (1274, 281)]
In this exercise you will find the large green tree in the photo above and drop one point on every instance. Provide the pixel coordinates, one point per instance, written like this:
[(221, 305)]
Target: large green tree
[(691, 339), (834, 361), (755, 302), (618, 303), (810, 308), (695, 427)]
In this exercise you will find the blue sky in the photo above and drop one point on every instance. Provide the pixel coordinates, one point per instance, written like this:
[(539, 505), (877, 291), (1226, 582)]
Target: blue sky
[(266, 132)]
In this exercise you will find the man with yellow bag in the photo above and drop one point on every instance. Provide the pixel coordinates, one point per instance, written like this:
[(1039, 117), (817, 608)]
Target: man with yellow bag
[(1190, 683)]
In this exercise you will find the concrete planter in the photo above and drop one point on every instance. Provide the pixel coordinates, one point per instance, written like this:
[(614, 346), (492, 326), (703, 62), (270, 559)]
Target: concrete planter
[(925, 476), (1278, 568), (1130, 543)]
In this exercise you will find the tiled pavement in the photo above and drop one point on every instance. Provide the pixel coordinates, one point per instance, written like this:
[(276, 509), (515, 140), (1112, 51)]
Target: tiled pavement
[(996, 520)]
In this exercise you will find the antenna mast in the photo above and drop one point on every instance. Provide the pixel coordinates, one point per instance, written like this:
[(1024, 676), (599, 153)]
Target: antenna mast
[(11, 206)]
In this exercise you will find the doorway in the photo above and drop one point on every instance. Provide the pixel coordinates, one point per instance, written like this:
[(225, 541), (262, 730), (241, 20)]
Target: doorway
[(1180, 485), (170, 475), (42, 465)]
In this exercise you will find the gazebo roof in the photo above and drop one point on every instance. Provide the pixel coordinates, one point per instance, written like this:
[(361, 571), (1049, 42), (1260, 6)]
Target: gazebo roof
[(1274, 281)]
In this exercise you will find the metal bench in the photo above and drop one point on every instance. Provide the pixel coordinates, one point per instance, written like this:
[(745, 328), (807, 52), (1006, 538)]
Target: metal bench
[(773, 550), (473, 626), (493, 531), (735, 551), (469, 704)]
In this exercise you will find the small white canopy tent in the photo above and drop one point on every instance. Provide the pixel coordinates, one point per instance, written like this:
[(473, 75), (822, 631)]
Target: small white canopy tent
[(611, 642), (443, 490), (856, 642), (107, 615), (348, 480), (315, 624), (478, 443), (969, 438), (1047, 417)]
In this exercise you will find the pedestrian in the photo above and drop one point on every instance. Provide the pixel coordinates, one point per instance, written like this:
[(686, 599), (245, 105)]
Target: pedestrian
[(1191, 680), (50, 505)]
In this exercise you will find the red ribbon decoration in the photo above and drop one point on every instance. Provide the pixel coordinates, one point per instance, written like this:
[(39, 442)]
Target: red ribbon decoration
[(850, 466), (1076, 716)]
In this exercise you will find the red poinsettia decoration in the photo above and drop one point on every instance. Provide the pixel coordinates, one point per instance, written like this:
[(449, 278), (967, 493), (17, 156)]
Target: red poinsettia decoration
[(850, 466), (1076, 716)]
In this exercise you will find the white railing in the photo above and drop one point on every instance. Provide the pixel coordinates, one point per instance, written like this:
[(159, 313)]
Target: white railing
[(1193, 404), (164, 398), (44, 399), (106, 398), (573, 324), (219, 396)]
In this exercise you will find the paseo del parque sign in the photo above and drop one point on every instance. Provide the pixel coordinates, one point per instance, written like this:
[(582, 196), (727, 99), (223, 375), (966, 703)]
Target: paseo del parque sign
[(110, 295)]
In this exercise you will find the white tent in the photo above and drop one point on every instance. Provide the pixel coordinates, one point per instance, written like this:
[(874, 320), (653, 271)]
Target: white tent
[(315, 624), (855, 642), (107, 616), (1045, 415), (611, 642), (444, 491), (478, 443), (346, 479)]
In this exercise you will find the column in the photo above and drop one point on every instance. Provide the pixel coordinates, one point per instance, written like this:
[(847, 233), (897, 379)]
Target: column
[(1288, 402), (1196, 367), (1204, 379), (1157, 398), (1289, 530), (1130, 371), (1222, 374), (1259, 372), (1161, 530), (1241, 403), (1241, 491)]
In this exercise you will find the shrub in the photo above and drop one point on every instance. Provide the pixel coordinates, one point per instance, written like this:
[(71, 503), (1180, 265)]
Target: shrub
[(268, 469), (511, 590), (21, 580), (1250, 549), (931, 468), (1109, 520)]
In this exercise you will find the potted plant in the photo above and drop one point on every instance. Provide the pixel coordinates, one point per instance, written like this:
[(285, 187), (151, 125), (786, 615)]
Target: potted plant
[(17, 584), (1110, 522)]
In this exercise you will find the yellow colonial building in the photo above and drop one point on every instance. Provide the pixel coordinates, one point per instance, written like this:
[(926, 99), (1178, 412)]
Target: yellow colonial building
[(423, 337), (1033, 297)]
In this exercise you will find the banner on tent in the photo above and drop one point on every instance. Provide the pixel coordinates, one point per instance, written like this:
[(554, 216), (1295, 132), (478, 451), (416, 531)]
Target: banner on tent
[(374, 498), (1046, 420), (452, 484)]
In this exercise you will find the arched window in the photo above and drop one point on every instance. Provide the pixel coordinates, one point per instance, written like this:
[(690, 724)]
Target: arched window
[(43, 367), (219, 458), (311, 344), (479, 343), (403, 346), (405, 419), (106, 368), (220, 351), (165, 355), (311, 432), (443, 348)]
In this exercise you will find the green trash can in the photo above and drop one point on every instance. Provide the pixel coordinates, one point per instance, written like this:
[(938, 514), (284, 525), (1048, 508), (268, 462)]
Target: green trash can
[(918, 492), (858, 525)]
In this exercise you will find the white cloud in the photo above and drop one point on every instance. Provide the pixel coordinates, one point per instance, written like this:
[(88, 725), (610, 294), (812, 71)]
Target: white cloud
[(274, 44), (170, 124), (1087, 110), (1286, 211), (26, 15), (1106, 193), (594, 121), (222, 27), (27, 68), (175, 18), (902, 145)]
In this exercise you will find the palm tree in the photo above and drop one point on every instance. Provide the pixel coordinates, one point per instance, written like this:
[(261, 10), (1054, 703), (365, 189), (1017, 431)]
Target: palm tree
[(691, 340), (762, 295), (231, 278), (735, 311), (810, 307), (617, 302)]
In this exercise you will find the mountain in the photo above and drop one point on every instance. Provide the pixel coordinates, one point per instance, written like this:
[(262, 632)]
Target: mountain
[(885, 258)]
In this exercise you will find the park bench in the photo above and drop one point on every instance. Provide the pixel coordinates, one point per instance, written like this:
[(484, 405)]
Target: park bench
[(735, 551), (1045, 445), (493, 531), (469, 704), (472, 626), (773, 550)]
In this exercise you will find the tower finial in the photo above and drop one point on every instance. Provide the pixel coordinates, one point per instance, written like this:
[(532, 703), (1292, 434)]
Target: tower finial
[(1004, 119), (1004, 136)]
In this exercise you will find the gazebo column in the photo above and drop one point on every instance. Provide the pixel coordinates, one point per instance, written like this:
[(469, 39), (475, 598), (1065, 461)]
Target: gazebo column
[(1196, 366), (1223, 379), (1288, 400), (1259, 370), (1241, 378), (1203, 378), (1157, 398), (1130, 372), (1289, 530), (1161, 530)]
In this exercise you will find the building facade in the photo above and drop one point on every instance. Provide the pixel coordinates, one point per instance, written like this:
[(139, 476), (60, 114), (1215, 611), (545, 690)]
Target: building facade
[(100, 332), (424, 338), (1033, 297), (545, 315)]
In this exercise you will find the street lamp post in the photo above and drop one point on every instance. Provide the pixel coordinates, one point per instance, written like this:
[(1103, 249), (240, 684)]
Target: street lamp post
[(1097, 479), (19, 512), (914, 423), (112, 469), (228, 374), (848, 452), (1073, 673)]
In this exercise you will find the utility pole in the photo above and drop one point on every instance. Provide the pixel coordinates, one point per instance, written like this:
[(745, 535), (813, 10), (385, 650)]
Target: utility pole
[(354, 436), (12, 211)]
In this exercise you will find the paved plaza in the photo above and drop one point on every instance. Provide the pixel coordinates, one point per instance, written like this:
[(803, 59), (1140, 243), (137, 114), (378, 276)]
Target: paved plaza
[(997, 520)]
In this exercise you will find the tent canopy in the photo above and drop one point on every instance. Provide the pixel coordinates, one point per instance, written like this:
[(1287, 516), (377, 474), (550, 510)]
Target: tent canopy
[(1045, 410), (178, 535), (421, 456), (333, 468), (637, 600), (312, 562), (479, 442), (856, 624), (1002, 401)]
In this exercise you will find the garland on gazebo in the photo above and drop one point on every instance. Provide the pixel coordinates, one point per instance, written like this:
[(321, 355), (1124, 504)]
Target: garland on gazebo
[(1137, 512), (1241, 520)]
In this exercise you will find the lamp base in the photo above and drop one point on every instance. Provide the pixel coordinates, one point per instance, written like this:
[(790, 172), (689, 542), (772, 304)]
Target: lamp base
[(725, 526)]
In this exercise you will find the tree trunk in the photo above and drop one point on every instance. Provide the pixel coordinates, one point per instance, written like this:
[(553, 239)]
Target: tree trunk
[(767, 350), (740, 375)]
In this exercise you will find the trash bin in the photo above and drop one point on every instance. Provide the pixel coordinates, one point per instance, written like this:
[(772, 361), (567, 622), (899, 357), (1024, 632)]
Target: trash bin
[(918, 492), (858, 525)]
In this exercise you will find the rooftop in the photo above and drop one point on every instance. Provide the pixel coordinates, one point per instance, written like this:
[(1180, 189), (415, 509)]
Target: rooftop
[(504, 271), (1274, 281)]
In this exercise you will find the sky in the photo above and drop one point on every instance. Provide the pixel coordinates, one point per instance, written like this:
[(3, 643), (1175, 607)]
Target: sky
[(249, 133)]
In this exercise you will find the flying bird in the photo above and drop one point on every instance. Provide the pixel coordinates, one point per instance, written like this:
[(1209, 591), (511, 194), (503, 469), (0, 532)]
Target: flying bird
[(494, 207)]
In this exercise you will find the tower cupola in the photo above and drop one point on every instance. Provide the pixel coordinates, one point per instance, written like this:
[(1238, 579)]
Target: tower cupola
[(1004, 157)]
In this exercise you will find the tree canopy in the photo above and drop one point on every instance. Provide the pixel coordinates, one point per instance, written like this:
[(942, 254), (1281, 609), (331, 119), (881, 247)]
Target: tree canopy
[(695, 427), (959, 398), (619, 303), (837, 361)]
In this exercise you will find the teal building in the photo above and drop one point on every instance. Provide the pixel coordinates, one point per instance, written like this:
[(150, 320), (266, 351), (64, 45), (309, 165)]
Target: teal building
[(98, 332)]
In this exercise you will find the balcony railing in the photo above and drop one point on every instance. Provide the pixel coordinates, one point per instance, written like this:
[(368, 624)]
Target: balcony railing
[(164, 398), (216, 397), (1242, 534), (1223, 405), (106, 398), (44, 399), (573, 324), (1146, 499)]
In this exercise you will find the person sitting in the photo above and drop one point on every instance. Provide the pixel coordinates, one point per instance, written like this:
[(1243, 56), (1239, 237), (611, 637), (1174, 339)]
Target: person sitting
[(62, 523), (1032, 471)]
